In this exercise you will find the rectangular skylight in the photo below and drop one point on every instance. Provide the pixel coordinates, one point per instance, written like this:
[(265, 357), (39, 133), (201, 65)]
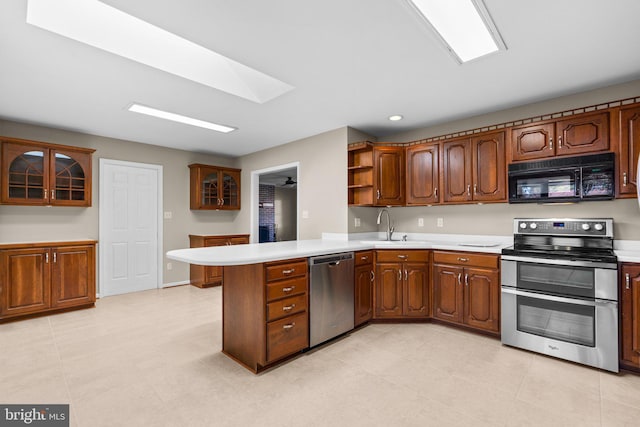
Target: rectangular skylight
[(137, 108), (465, 26), (105, 27)]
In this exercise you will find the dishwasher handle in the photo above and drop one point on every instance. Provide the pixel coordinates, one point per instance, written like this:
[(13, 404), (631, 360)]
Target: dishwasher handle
[(332, 260)]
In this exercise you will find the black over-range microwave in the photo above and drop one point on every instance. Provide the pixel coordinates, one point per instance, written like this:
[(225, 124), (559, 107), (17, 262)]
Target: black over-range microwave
[(563, 179)]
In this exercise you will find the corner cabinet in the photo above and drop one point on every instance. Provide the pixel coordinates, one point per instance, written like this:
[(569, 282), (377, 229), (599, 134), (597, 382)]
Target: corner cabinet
[(466, 289), (360, 174), (630, 316), (214, 187), (38, 278), (38, 173), (205, 276)]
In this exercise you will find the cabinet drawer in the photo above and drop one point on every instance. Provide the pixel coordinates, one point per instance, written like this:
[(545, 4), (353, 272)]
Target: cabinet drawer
[(287, 336), (465, 258), (402, 256), (363, 257), (285, 271), (286, 288), (286, 307), (215, 241)]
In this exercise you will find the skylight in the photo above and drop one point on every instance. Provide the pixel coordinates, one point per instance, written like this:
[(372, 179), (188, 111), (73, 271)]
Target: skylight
[(142, 109), (107, 28), (463, 25)]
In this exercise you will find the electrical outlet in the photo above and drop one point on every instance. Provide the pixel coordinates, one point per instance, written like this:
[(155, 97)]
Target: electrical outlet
[(168, 215), (169, 266), (440, 222), (305, 214), (357, 222), (420, 222)]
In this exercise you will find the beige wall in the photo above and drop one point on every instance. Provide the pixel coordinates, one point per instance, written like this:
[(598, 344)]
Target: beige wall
[(39, 224), (286, 201), (497, 219), (322, 181)]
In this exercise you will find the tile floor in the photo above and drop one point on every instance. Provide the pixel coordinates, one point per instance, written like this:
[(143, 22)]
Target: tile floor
[(153, 359)]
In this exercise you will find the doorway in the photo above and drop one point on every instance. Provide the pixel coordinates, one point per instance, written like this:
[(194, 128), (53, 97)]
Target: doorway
[(275, 204), (130, 227)]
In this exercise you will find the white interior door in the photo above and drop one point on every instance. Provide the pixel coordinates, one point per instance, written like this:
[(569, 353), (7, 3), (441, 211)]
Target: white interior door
[(130, 211)]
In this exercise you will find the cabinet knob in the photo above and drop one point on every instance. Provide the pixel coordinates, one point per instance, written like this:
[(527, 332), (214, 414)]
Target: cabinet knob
[(364, 258), (289, 326), (461, 259), (403, 256), (550, 143), (291, 270), (627, 280), (288, 289), (466, 280), (468, 189), (459, 278), (625, 180), (288, 307), (53, 194), (46, 259), (559, 141), (435, 192), (378, 194), (373, 276)]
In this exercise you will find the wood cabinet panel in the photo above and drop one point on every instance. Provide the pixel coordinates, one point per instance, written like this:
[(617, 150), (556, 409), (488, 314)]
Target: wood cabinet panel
[(287, 336), (73, 276), (456, 168), (447, 293), (389, 174), (532, 142), (388, 290), (286, 307), (286, 270), (423, 174), (363, 258), (392, 255), (489, 167), (203, 276), (466, 258), (286, 288), (482, 298), (36, 278), (364, 278), (585, 133), (214, 187), (416, 290), (630, 316), (38, 173), (629, 149)]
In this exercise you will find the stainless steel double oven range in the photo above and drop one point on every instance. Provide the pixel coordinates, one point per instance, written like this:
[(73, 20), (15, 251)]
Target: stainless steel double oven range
[(560, 291)]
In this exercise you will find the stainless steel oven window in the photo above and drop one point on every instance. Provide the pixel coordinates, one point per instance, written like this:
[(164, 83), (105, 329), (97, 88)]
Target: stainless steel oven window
[(557, 279), (557, 320)]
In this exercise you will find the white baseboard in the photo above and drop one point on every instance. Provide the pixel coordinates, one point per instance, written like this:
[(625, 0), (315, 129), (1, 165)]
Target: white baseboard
[(169, 285)]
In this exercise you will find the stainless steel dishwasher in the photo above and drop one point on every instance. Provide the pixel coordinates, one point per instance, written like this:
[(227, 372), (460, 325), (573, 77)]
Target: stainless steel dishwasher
[(331, 299)]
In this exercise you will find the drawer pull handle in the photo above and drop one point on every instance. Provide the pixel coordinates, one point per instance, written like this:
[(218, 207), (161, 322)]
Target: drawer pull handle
[(461, 259), (550, 143), (466, 280), (459, 278), (373, 276), (288, 289), (403, 256), (291, 270), (627, 279), (624, 179), (288, 307), (289, 326), (364, 258)]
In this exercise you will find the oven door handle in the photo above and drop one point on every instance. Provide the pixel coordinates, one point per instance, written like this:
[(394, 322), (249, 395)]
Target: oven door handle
[(567, 263), (574, 301)]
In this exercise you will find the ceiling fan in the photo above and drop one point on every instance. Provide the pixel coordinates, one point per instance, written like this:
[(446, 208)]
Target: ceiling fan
[(289, 182)]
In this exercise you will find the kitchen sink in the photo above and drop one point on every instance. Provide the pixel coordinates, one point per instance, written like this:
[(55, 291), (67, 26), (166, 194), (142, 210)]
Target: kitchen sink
[(395, 242)]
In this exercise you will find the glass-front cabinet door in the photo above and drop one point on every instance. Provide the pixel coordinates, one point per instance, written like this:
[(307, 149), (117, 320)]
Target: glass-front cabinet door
[(230, 190), (45, 174), (210, 188)]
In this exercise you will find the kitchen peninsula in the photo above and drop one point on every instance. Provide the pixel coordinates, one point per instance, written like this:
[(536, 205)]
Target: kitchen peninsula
[(265, 293)]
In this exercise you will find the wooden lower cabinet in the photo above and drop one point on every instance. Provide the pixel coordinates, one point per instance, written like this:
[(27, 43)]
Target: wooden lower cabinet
[(402, 284), (363, 293), (630, 316), (466, 289), (40, 278), (265, 315), (205, 276)]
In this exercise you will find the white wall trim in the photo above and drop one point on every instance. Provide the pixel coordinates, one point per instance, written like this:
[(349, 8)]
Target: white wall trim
[(102, 232), (172, 284), (255, 198)]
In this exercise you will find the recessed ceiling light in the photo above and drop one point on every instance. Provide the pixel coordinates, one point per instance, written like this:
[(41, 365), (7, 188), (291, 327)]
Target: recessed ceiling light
[(395, 118), (464, 26), (107, 28), (137, 108)]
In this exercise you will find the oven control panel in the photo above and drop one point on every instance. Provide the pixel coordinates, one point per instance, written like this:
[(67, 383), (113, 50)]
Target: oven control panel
[(566, 227)]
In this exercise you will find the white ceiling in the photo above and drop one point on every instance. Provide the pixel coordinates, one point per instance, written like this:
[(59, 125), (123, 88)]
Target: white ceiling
[(352, 63)]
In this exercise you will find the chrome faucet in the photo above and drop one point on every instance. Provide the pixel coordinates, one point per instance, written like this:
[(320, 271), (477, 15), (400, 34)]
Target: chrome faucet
[(390, 228)]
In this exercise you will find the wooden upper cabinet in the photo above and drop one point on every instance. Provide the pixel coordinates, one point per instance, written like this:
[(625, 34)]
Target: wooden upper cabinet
[(360, 174), (214, 188), (389, 176), (629, 149), (423, 174), (37, 173), (456, 168), (579, 134), (489, 167)]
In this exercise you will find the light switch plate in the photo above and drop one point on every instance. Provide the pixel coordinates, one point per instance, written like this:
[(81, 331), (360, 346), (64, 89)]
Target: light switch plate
[(440, 222), (357, 222), (420, 222)]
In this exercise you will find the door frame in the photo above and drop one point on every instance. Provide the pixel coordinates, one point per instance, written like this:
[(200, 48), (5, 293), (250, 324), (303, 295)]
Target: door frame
[(255, 198), (101, 212)]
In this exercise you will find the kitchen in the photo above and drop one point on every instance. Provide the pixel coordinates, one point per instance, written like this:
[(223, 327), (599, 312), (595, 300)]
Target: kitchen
[(323, 195)]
